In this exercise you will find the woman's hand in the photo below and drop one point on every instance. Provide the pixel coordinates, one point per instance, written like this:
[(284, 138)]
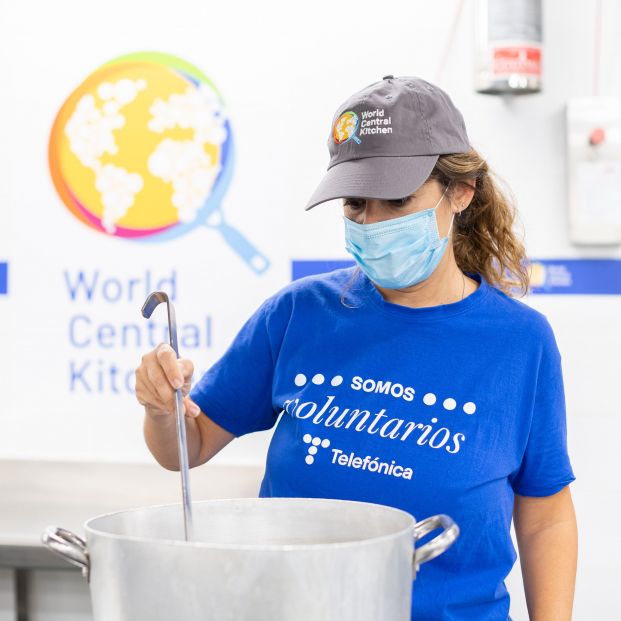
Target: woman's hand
[(157, 377)]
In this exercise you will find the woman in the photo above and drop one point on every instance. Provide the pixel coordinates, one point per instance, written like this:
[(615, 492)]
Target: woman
[(414, 379)]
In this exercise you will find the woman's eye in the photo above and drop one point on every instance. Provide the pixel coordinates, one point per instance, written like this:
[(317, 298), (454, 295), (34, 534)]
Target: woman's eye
[(355, 204), (399, 202)]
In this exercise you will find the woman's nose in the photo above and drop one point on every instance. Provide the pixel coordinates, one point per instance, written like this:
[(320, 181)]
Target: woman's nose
[(374, 211)]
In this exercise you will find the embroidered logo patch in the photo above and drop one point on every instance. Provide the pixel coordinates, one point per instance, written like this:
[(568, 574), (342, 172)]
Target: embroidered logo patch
[(345, 127), (369, 122)]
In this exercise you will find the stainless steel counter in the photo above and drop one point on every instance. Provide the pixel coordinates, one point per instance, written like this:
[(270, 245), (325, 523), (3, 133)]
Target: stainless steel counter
[(34, 495)]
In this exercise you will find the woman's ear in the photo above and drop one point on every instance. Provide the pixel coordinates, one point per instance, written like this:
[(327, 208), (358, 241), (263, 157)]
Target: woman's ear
[(462, 195)]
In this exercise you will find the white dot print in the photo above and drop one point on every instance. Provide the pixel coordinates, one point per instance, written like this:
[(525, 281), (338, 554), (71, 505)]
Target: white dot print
[(337, 380), (429, 399), (300, 379), (449, 404), (319, 379), (470, 408), (315, 444)]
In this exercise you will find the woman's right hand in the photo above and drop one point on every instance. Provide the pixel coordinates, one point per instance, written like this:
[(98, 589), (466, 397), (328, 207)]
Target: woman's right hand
[(157, 377)]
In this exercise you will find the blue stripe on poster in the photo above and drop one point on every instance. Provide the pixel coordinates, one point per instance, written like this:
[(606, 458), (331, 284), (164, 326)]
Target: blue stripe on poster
[(299, 269), (548, 276), (4, 278)]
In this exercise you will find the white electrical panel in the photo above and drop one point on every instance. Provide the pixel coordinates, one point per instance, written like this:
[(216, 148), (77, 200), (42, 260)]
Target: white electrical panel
[(594, 169)]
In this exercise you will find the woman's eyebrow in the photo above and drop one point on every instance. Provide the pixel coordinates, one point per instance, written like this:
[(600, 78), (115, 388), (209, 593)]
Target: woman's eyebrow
[(364, 198), (403, 198)]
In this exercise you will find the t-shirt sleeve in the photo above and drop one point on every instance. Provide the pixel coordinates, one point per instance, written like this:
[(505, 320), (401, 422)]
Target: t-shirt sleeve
[(236, 392), (545, 467)]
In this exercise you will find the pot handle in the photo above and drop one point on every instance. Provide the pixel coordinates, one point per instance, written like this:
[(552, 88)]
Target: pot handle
[(69, 545), (438, 544)]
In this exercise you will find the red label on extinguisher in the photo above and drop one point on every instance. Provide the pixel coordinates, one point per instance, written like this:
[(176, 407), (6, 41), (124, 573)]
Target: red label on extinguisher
[(522, 60)]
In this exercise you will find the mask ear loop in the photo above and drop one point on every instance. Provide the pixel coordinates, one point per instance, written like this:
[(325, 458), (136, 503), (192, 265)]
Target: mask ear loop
[(453, 217), (452, 212)]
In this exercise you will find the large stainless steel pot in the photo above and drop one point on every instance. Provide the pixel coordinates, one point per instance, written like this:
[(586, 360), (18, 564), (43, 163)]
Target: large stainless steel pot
[(254, 559)]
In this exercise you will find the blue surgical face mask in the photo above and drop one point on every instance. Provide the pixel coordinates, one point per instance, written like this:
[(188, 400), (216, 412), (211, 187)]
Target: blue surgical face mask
[(400, 252)]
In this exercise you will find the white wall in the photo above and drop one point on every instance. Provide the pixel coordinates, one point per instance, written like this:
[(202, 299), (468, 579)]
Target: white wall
[(272, 59)]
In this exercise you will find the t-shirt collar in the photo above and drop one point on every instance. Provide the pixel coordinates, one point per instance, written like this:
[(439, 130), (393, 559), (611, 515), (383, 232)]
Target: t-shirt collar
[(426, 312)]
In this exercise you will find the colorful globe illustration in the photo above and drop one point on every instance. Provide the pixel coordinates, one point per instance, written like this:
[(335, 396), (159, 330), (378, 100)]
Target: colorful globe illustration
[(345, 126), (142, 148)]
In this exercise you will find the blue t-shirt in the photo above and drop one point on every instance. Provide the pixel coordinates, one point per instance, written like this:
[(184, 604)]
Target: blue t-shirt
[(442, 409)]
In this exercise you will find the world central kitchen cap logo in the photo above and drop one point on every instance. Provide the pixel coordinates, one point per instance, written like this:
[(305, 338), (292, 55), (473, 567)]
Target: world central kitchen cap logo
[(345, 127), (143, 150)]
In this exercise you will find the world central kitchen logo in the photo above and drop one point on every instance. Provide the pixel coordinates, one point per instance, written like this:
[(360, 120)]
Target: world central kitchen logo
[(351, 123), (143, 150)]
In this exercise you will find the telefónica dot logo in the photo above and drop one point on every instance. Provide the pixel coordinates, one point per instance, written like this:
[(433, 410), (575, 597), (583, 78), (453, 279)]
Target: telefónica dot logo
[(315, 444), (143, 150)]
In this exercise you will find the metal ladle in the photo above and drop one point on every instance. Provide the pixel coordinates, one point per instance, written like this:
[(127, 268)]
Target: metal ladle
[(154, 299)]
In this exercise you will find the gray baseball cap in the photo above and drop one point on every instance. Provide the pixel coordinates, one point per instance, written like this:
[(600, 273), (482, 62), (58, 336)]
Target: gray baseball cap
[(385, 140)]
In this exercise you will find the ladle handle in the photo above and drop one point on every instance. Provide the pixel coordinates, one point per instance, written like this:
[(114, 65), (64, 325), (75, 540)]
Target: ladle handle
[(155, 298), (438, 544), (69, 545), (182, 442)]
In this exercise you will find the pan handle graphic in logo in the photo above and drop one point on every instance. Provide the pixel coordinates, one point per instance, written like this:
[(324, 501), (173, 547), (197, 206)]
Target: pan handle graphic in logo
[(211, 215), (143, 150), (345, 128)]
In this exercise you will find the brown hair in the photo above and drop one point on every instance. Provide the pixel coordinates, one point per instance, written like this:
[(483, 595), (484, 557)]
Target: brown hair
[(483, 237)]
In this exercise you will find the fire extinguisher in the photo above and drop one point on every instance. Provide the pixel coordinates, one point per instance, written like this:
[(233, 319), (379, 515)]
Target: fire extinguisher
[(508, 46)]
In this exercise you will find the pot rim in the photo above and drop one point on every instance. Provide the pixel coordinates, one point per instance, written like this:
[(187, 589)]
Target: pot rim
[(285, 547)]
